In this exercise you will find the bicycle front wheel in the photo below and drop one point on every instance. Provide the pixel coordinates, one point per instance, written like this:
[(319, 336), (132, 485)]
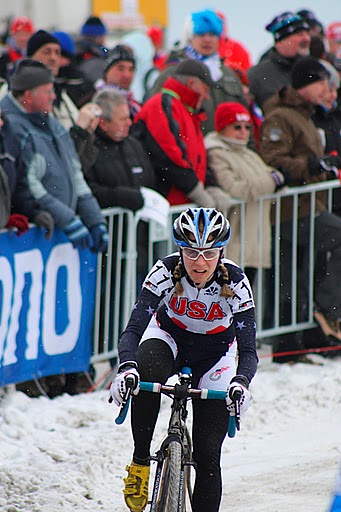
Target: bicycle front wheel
[(172, 484)]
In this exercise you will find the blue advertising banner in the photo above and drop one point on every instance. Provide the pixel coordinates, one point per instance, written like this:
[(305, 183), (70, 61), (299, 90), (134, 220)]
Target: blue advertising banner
[(47, 298)]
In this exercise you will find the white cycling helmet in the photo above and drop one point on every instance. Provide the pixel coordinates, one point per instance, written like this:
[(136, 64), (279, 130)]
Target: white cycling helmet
[(201, 228)]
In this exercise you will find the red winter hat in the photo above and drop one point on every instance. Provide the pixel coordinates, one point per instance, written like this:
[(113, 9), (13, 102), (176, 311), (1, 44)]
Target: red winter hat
[(21, 24), (228, 113)]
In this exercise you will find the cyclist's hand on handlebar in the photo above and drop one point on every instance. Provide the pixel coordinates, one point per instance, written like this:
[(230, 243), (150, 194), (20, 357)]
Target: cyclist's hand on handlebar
[(127, 377), (237, 390)]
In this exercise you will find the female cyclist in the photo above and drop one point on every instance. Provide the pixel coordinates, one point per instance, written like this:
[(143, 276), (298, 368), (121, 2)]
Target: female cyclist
[(206, 315)]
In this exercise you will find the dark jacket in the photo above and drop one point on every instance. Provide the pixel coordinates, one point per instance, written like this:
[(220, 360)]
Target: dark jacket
[(288, 140), (270, 75), (329, 125), (170, 131), (119, 171)]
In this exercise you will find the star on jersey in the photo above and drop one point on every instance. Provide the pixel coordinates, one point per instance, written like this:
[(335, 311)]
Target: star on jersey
[(241, 325), (150, 310)]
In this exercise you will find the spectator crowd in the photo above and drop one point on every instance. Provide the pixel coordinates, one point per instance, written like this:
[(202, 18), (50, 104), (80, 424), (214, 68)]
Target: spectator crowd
[(81, 129)]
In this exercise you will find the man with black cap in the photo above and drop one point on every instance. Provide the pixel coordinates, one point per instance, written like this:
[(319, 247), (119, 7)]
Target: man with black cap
[(168, 126), (290, 141), (292, 41), (119, 74)]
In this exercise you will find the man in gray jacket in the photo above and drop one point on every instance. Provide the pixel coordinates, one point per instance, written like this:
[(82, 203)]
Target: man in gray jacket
[(50, 159), (55, 180)]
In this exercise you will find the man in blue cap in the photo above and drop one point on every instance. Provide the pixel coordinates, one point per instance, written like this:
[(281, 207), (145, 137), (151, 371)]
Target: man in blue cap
[(291, 41), (201, 42)]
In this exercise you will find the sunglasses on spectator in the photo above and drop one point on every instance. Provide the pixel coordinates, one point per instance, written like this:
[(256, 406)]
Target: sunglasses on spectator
[(208, 254), (239, 127)]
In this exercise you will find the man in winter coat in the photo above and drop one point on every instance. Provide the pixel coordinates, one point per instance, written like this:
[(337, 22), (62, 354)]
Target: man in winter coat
[(53, 170), (169, 127), (122, 166), (49, 157), (289, 139), (292, 41), (201, 44)]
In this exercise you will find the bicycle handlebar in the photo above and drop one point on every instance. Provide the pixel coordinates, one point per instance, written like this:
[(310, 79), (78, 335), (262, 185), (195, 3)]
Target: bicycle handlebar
[(204, 394)]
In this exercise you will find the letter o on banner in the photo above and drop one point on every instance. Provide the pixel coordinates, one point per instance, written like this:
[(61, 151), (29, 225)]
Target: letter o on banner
[(62, 256)]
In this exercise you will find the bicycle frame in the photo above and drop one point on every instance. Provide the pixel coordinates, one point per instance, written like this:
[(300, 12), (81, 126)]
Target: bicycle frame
[(178, 438), (177, 432), (172, 481)]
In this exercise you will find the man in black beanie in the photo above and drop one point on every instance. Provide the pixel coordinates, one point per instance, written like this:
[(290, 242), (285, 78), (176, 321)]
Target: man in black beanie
[(119, 74), (290, 141), (291, 41)]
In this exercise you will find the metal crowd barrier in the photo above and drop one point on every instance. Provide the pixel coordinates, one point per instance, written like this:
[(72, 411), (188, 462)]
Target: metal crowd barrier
[(117, 271)]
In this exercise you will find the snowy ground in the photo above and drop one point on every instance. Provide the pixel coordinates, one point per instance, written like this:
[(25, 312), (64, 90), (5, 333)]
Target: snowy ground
[(67, 454)]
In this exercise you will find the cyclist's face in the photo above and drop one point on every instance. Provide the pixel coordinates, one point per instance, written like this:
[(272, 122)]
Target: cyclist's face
[(200, 270)]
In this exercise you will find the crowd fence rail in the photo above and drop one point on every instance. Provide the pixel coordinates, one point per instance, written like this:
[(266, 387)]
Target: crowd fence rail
[(118, 270)]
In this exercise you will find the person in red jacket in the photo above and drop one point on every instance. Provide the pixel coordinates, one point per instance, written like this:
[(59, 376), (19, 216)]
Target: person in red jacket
[(169, 127), (20, 30)]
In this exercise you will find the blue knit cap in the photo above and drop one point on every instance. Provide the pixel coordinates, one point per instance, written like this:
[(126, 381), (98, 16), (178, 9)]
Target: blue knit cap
[(93, 27), (206, 21), (66, 42)]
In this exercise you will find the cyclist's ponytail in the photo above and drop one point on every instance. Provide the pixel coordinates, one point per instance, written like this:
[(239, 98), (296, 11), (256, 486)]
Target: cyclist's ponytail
[(178, 273), (225, 289)]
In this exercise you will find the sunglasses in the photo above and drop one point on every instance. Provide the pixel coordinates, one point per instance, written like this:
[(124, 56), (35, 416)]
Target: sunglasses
[(239, 127), (208, 254)]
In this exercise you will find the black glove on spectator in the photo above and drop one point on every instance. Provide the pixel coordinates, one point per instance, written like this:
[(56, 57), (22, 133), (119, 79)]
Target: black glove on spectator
[(329, 163)]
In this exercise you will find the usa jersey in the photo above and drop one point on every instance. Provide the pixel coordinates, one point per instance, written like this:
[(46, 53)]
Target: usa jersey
[(202, 311), (201, 321)]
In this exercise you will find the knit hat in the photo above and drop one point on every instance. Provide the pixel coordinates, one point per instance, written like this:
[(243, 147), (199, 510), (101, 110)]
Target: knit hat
[(39, 39), (206, 21), (228, 113), (66, 42), (21, 24), (306, 71), (93, 27), (310, 18), (118, 54), (192, 67), (28, 74), (286, 24)]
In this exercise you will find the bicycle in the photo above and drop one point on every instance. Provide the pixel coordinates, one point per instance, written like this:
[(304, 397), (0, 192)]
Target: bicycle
[(172, 480)]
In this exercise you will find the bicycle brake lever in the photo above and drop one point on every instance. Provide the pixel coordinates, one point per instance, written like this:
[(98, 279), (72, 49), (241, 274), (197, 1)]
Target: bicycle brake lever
[(130, 384), (236, 396)]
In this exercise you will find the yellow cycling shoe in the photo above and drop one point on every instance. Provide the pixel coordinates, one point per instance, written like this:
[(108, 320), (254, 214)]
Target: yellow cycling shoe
[(136, 487)]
